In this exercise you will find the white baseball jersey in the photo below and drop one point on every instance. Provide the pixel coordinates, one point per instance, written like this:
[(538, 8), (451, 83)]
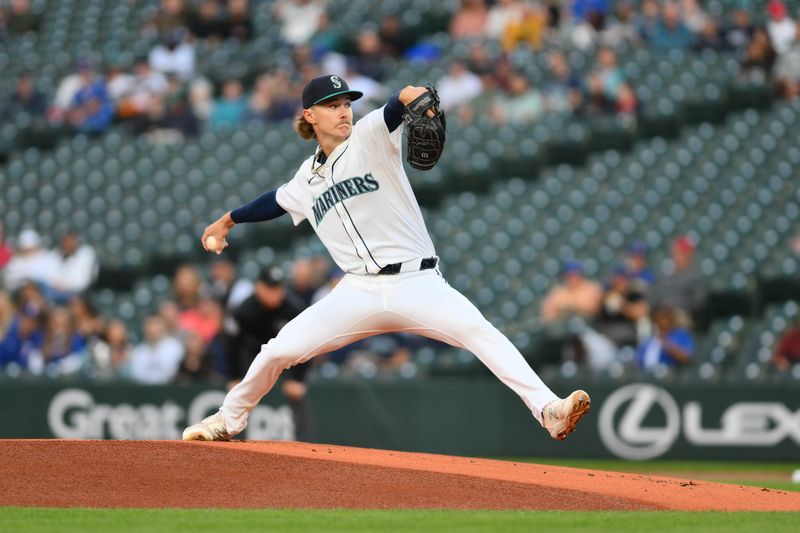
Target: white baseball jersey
[(360, 202)]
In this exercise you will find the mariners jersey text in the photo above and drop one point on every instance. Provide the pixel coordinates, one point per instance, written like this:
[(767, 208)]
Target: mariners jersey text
[(342, 191)]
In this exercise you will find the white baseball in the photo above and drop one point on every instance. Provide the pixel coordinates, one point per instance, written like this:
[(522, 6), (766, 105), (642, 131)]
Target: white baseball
[(212, 244)]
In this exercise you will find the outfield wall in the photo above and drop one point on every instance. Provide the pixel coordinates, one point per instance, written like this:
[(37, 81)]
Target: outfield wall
[(632, 421)]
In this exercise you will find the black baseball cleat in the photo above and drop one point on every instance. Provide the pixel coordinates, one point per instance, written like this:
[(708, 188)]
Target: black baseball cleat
[(561, 416)]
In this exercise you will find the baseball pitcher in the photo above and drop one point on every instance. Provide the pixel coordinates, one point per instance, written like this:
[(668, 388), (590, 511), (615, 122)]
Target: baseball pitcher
[(356, 195)]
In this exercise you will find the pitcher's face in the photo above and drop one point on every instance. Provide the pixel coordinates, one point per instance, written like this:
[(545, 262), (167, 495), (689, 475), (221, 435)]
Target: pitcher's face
[(332, 118)]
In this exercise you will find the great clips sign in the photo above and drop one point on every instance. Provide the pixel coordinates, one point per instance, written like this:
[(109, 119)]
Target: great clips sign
[(645, 421)]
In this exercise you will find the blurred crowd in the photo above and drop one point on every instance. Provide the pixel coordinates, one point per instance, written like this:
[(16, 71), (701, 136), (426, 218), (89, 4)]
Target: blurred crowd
[(164, 94), (214, 322), (208, 329), (650, 315)]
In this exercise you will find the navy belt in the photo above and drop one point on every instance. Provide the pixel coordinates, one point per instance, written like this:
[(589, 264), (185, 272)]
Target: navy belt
[(395, 268)]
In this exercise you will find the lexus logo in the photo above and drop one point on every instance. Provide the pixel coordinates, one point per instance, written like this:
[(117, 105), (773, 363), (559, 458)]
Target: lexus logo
[(622, 422)]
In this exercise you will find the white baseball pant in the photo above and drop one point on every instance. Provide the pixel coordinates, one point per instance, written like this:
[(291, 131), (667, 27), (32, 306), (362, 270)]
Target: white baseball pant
[(361, 306)]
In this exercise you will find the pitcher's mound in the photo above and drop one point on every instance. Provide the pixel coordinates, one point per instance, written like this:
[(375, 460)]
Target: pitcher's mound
[(63, 473)]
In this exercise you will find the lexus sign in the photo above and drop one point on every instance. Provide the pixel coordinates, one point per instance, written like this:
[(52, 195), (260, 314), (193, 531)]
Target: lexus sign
[(626, 432)]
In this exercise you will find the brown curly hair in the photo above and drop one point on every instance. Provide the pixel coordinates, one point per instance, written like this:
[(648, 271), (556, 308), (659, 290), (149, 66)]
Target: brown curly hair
[(304, 128)]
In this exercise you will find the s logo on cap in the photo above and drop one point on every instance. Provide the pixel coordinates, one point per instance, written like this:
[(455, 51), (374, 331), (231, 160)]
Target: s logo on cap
[(336, 83)]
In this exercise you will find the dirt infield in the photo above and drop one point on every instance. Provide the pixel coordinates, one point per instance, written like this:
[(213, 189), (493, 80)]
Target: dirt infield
[(63, 473)]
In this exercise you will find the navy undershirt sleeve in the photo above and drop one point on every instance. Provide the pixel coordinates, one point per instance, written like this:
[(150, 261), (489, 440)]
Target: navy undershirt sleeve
[(393, 112), (265, 207)]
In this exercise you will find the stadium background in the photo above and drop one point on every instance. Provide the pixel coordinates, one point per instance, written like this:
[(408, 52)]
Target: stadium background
[(707, 149)]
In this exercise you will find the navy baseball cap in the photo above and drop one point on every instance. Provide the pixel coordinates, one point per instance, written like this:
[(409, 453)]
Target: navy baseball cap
[(325, 87), (572, 267)]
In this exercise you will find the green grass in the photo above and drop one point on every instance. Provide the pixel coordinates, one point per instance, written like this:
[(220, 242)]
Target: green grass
[(776, 475), (182, 520), (620, 465)]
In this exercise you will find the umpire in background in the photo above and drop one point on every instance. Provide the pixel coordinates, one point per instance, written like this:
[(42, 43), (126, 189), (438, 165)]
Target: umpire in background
[(254, 322)]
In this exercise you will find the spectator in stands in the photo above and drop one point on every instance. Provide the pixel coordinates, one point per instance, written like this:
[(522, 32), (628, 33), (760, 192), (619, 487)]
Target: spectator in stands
[(610, 73), (628, 104), (500, 16), (21, 19), (65, 94), (759, 58), (787, 349), (6, 252), (694, 16), (196, 364), (299, 19), (327, 38), (23, 338), (7, 313), (201, 99), (170, 313), (590, 32), (671, 345), (173, 56), (63, 348), (637, 266), (575, 296), (458, 87), (258, 319), (684, 287), (369, 59), (581, 9), (109, 354), (269, 101), (523, 105), (563, 89), (671, 33), (172, 15), (394, 37), (31, 262), (623, 308), (167, 119), (30, 295), (205, 319), (709, 38), (479, 62), (238, 23), (595, 103), (75, 267), (224, 285), (787, 69), (305, 279), (781, 28), (92, 109), (186, 285), (229, 110), (648, 20), (622, 29), (469, 20), (26, 98), (740, 31), (528, 30), (156, 361), (135, 97), (119, 84), (207, 22), (87, 322)]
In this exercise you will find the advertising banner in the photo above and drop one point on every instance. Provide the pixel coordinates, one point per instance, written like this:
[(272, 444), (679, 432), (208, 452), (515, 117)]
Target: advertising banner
[(635, 421)]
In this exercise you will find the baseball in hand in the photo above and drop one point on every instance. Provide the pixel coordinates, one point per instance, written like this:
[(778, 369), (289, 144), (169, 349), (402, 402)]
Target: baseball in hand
[(213, 244)]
